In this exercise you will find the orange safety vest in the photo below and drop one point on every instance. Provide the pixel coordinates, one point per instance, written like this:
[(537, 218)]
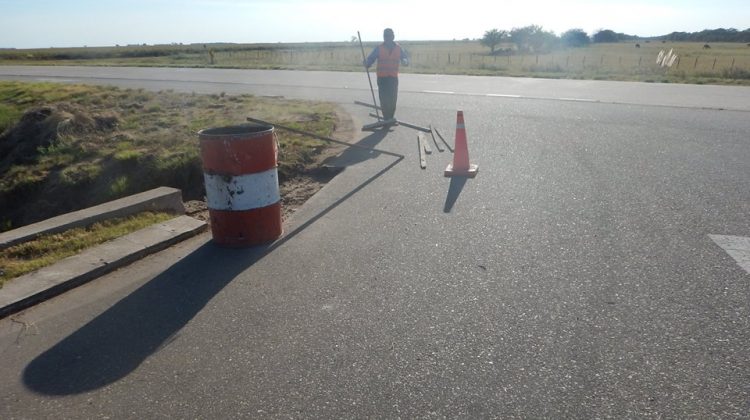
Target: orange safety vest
[(388, 61)]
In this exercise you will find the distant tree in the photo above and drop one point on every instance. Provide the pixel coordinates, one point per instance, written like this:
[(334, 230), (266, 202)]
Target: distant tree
[(608, 35), (605, 35), (710, 35), (575, 38), (533, 38), (522, 37), (493, 38)]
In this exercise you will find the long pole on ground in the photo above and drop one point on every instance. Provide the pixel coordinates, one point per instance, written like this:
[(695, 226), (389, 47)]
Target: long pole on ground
[(319, 137), (369, 80)]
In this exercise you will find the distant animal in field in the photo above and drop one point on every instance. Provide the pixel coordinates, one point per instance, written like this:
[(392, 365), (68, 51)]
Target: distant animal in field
[(638, 45), (706, 47)]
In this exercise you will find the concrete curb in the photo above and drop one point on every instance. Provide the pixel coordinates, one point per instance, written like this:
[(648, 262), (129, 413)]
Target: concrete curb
[(158, 199), (30, 289)]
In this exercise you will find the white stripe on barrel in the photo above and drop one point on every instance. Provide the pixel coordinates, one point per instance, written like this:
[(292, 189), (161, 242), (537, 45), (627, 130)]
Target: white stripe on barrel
[(242, 192)]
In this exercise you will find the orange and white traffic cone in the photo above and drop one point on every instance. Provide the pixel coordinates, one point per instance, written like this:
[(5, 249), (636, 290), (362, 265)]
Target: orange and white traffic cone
[(461, 165)]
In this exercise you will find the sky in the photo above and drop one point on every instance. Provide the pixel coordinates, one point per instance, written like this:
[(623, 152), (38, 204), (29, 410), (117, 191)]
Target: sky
[(74, 23)]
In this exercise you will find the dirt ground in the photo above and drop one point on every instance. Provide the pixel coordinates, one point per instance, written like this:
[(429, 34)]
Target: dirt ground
[(299, 188)]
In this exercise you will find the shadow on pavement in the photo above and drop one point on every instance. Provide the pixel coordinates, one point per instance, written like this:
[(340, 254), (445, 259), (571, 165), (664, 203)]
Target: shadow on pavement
[(457, 185), (119, 340), (116, 342), (351, 156)]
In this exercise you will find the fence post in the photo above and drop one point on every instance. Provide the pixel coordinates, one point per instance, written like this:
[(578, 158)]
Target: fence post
[(714, 66), (449, 58), (696, 63), (639, 60), (732, 66)]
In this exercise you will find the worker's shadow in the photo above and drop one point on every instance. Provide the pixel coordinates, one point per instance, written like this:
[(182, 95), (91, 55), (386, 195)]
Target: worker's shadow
[(116, 342), (354, 155)]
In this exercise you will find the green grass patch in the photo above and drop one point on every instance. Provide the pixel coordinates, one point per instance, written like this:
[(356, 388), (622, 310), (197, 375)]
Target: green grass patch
[(46, 250), (9, 114)]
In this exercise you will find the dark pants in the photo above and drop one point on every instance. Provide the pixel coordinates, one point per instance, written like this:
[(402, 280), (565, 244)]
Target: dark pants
[(388, 92)]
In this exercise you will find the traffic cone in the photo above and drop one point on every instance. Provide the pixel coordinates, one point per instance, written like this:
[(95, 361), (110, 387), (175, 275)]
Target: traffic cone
[(461, 165)]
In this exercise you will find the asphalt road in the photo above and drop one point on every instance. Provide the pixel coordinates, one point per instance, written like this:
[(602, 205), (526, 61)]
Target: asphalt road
[(573, 278)]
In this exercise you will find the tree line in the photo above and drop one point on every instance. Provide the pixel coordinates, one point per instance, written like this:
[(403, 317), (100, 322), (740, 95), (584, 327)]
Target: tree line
[(710, 35), (534, 38)]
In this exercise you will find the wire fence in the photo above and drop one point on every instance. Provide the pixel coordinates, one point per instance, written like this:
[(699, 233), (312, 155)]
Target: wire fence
[(567, 62)]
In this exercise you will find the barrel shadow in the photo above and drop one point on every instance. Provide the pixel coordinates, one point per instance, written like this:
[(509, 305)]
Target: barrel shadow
[(116, 342)]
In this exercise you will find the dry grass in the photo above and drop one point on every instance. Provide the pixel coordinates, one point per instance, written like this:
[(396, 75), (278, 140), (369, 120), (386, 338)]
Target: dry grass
[(723, 63), (46, 250), (94, 144)]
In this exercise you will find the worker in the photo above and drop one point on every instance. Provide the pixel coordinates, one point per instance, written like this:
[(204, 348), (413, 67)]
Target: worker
[(389, 55)]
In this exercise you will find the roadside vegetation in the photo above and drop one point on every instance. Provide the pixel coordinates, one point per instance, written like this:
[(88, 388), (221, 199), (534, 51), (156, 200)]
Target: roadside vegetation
[(67, 147), (46, 250), (705, 57)]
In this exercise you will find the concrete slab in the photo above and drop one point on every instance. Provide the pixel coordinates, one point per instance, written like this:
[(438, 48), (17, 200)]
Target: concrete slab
[(158, 199), (30, 289)]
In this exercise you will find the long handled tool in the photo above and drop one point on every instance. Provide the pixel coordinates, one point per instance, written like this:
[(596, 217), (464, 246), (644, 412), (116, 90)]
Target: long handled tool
[(323, 138), (369, 80)]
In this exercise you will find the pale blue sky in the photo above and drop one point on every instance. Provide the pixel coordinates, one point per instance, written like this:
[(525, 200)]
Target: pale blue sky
[(45, 23)]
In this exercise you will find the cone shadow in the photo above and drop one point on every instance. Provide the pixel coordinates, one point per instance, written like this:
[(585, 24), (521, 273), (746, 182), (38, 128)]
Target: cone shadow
[(454, 191)]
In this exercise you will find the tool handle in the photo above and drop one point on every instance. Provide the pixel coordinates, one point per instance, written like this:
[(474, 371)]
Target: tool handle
[(369, 80)]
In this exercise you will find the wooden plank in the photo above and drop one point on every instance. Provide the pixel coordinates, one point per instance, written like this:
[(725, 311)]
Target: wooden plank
[(426, 145), (443, 139), (422, 156), (434, 140)]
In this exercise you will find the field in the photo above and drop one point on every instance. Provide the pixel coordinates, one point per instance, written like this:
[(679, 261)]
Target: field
[(722, 63)]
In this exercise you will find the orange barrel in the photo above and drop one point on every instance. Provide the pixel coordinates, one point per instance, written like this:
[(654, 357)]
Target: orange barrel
[(242, 184)]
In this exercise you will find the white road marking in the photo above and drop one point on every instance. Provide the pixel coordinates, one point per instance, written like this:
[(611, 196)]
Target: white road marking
[(504, 95), (576, 99), (500, 95), (738, 247)]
